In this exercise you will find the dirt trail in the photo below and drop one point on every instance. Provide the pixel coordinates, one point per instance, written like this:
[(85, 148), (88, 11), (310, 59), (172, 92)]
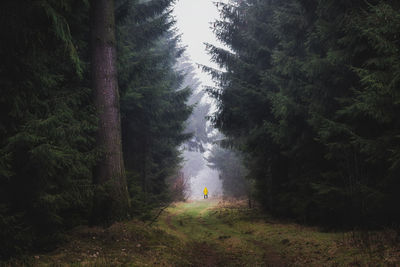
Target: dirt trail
[(213, 233), (211, 240), (168, 221)]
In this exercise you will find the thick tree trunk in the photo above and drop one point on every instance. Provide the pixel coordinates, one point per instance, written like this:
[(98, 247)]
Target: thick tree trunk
[(111, 200)]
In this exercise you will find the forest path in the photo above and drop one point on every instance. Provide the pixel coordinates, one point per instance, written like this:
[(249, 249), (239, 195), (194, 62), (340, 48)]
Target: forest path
[(214, 232), (214, 235)]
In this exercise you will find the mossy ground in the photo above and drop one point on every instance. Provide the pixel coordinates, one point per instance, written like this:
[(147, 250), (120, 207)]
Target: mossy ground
[(217, 233)]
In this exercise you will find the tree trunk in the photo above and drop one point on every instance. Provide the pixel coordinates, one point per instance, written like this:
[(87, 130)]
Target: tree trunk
[(111, 196)]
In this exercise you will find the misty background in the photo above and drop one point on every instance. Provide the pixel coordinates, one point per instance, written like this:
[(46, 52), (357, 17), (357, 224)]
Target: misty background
[(194, 19)]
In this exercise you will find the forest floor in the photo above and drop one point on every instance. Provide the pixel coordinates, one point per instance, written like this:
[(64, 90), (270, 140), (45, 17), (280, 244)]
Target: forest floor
[(213, 232)]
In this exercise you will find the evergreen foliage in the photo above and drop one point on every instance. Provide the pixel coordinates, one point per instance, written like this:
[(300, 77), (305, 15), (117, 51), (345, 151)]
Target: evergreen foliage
[(309, 94), (231, 171), (48, 121), (153, 105)]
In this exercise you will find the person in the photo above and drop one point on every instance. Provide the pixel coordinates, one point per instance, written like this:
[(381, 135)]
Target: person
[(205, 191)]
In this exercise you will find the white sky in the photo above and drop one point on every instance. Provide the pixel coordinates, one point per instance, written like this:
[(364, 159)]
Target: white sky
[(193, 21)]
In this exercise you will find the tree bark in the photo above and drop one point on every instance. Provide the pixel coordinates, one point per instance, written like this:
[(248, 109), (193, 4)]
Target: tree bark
[(111, 198)]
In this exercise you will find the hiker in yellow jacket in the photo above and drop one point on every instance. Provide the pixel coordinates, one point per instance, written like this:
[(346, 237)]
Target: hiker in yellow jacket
[(205, 191)]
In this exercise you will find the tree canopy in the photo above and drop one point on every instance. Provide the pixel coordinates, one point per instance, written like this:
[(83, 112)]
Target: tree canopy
[(49, 121), (309, 94)]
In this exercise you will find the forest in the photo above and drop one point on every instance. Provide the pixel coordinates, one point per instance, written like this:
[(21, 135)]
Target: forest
[(94, 110), (310, 97), (69, 111)]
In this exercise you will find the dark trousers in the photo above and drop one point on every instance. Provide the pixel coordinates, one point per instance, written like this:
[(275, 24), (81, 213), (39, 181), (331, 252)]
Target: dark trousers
[(205, 196)]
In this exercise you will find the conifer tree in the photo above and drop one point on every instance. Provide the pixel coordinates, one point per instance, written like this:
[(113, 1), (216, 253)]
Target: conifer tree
[(47, 120), (112, 196), (308, 94), (153, 103)]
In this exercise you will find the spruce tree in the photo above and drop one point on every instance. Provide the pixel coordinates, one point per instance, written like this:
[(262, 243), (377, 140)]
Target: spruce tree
[(153, 103), (112, 201), (47, 119), (308, 94)]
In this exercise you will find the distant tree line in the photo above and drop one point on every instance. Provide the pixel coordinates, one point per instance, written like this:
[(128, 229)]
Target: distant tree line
[(232, 172), (91, 115), (310, 94)]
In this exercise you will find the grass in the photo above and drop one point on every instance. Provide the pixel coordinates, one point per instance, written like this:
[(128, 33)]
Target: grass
[(216, 233), (246, 238)]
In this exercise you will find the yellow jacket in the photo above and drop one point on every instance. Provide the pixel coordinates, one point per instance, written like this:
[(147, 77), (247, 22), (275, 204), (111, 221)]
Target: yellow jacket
[(205, 191)]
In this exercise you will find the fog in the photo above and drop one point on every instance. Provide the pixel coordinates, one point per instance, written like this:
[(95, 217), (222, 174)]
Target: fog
[(200, 176), (194, 18)]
